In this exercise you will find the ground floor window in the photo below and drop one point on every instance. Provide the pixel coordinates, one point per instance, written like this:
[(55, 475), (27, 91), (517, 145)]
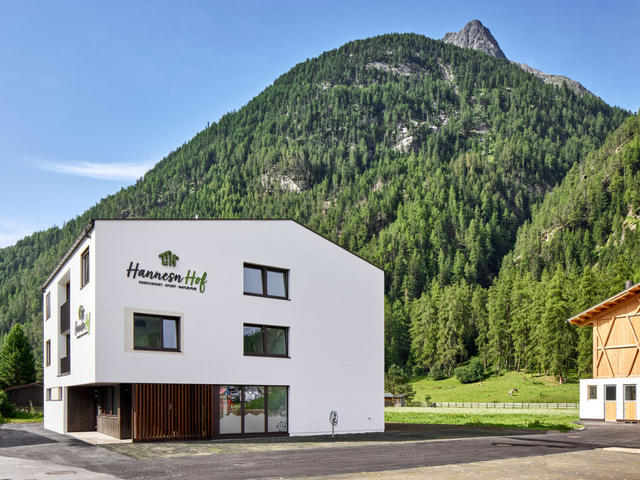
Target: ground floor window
[(54, 393), (592, 392), (250, 409), (629, 393)]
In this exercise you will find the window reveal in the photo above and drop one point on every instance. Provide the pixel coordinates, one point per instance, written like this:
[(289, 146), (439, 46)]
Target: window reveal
[(156, 332)]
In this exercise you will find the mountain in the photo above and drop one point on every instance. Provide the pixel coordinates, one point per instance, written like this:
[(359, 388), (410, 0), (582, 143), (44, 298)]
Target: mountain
[(583, 240), (476, 36), (422, 157)]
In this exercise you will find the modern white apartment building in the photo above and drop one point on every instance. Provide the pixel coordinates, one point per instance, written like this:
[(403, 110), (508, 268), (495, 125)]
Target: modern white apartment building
[(190, 329)]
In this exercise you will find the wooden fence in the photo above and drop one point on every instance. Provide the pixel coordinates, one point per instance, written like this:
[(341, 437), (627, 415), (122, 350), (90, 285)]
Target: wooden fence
[(554, 406)]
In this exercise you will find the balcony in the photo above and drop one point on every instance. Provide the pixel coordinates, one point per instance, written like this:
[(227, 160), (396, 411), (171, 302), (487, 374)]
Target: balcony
[(65, 318), (65, 365)]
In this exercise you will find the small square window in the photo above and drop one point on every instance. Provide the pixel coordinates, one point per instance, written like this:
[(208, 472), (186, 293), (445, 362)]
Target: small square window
[(592, 392), (54, 394)]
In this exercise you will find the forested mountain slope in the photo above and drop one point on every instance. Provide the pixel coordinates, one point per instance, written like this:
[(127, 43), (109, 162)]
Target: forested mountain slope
[(580, 246), (423, 157)]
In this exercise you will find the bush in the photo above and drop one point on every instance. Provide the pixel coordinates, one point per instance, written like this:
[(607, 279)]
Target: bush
[(472, 372), (7, 409), (417, 370), (437, 372)]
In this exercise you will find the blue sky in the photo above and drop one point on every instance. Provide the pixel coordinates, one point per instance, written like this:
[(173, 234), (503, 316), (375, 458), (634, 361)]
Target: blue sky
[(94, 93)]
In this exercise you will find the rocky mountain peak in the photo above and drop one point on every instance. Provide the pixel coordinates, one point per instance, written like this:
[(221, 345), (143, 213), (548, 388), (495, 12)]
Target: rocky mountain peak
[(477, 36)]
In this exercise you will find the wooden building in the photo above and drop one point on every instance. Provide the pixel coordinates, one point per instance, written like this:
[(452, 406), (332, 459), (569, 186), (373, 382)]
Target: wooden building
[(26, 396), (612, 392)]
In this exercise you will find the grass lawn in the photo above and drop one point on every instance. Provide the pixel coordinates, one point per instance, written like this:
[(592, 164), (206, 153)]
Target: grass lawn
[(561, 420), (531, 389), (20, 416)]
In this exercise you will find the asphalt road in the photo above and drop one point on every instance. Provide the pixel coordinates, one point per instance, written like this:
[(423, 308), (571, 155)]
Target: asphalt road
[(32, 442)]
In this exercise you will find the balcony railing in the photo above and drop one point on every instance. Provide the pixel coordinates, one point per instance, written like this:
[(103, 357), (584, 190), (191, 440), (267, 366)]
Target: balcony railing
[(65, 365), (65, 318)]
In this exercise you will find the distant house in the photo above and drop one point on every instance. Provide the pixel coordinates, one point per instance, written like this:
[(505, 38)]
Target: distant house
[(26, 396), (612, 392), (391, 400)]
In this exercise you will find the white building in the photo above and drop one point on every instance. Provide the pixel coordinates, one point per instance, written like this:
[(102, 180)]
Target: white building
[(178, 329), (611, 394)]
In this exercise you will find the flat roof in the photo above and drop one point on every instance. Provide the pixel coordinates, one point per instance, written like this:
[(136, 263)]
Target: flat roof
[(89, 227), (584, 318)]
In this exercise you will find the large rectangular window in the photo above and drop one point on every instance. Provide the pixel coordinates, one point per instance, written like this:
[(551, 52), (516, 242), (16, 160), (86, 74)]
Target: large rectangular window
[(156, 332), (266, 281), (277, 414), (47, 353), (253, 409), (84, 268), (230, 398), (264, 340), (47, 306)]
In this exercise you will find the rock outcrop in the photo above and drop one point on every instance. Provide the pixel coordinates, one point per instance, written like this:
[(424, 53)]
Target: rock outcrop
[(478, 37)]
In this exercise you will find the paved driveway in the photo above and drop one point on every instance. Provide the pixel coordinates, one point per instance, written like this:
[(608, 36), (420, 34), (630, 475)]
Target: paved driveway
[(31, 442)]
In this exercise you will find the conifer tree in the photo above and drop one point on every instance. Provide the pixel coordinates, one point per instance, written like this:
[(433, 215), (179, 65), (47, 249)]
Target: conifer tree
[(17, 364)]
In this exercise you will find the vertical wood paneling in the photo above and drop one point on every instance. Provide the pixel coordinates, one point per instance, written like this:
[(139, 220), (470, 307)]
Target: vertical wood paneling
[(81, 409)]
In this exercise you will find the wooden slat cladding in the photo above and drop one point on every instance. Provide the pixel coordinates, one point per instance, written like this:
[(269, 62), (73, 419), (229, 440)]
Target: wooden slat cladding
[(173, 412), (81, 405), (616, 341)]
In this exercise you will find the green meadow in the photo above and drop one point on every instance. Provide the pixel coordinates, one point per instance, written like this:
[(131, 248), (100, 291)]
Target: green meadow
[(530, 389)]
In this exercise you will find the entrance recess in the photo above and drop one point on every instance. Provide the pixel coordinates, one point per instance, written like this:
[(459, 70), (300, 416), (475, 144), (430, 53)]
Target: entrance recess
[(630, 412), (610, 403)]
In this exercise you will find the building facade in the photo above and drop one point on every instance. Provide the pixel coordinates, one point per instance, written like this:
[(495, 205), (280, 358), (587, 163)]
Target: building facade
[(611, 394), (178, 329)]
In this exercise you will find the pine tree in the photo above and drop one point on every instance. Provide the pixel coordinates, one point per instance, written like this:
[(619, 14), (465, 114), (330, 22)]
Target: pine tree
[(17, 364)]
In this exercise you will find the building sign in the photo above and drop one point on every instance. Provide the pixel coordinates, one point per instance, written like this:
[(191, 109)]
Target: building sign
[(189, 281), (169, 258), (83, 323)]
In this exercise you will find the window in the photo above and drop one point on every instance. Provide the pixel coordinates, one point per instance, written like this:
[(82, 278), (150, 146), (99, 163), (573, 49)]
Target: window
[(610, 393), (47, 353), (47, 306), (84, 268), (592, 392), (110, 400), (253, 409), (629, 393), (266, 281), (156, 332), (54, 394), (266, 340)]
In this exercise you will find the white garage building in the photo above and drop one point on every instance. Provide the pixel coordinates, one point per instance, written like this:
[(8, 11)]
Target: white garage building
[(179, 329)]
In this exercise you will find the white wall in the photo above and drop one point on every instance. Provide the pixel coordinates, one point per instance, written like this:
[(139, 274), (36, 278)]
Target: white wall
[(594, 409), (335, 315), (82, 349)]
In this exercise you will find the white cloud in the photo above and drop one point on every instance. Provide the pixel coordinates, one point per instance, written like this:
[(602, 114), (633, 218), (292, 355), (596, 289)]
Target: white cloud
[(103, 171), (12, 231)]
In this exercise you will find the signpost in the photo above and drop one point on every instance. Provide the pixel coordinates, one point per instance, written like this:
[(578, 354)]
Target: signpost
[(333, 420)]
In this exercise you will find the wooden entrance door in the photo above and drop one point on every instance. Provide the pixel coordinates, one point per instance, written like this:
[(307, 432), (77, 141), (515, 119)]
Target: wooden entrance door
[(630, 412), (610, 403)]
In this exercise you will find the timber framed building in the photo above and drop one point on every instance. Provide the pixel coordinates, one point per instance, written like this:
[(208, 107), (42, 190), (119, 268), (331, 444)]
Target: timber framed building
[(197, 329), (611, 394)]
